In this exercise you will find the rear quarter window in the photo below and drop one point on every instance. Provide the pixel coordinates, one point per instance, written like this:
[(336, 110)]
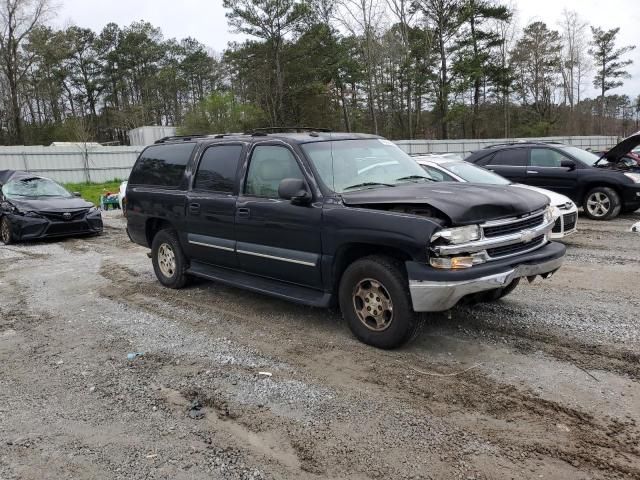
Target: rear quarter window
[(162, 165)]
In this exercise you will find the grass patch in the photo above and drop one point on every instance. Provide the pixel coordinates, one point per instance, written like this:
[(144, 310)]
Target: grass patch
[(91, 191)]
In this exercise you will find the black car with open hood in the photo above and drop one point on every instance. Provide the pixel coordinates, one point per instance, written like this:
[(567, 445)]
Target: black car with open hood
[(604, 184), (34, 207)]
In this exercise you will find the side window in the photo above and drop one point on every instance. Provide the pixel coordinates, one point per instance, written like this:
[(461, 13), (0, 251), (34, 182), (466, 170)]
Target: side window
[(162, 165), (438, 175), (545, 157), (270, 164), (218, 167), (514, 157)]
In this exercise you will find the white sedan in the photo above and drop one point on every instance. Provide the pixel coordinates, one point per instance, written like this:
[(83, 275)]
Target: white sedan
[(443, 169)]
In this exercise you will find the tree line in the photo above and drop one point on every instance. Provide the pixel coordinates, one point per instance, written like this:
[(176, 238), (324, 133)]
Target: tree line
[(398, 68)]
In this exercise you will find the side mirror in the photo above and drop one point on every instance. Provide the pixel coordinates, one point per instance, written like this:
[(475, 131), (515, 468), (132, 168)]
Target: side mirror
[(76, 194), (570, 164), (294, 189)]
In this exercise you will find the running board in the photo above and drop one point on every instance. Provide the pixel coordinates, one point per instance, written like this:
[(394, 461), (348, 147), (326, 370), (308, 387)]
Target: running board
[(268, 286)]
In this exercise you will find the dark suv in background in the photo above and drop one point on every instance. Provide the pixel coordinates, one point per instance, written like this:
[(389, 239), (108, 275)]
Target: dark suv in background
[(604, 185), (325, 218)]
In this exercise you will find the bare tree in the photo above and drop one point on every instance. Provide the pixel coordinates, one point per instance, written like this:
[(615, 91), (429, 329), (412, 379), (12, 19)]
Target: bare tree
[(362, 18), (575, 47), (18, 18)]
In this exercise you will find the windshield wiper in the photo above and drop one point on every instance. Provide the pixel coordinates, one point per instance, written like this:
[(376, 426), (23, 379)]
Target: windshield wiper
[(369, 184), (414, 177)]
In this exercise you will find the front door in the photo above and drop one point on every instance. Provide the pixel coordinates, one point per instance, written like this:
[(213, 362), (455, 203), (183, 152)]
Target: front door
[(545, 171), (277, 238), (211, 206)]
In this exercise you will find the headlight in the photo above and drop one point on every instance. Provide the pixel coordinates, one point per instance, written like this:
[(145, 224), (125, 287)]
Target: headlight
[(93, 210), (31, 214), (633, 176), (551, 214), (458, 234)]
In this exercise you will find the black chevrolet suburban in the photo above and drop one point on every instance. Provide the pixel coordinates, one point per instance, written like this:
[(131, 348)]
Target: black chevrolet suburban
[(334, 219)]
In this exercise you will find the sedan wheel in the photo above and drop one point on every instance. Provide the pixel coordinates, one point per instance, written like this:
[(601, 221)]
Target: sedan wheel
[(5, 231), (598, 204)]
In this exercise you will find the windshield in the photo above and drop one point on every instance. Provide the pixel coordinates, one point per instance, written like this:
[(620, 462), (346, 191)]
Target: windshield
[(347, 165), (474, 174), (584, 156), (34, 187)]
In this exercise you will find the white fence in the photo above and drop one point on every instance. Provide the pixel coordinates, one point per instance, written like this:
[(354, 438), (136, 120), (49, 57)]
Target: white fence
[(100, 164), (70, 164), (464, 147)]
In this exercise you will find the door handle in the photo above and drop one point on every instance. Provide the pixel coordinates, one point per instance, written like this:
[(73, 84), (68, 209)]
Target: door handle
[(532, 171), (194, 207), (244, 212)]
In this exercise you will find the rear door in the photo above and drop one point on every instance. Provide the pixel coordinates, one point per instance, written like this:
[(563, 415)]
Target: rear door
[(511, 163), (277, 238), (211, 206), (544, 171)]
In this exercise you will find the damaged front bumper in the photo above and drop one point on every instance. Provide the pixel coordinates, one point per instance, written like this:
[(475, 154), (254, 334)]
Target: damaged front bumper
[(26, 227), (435, 290)]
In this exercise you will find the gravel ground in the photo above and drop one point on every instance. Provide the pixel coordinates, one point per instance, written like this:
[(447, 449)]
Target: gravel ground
[(542, 384)]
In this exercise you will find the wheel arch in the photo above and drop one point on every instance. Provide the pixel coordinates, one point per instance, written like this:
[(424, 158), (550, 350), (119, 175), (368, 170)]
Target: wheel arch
[(153, 226)]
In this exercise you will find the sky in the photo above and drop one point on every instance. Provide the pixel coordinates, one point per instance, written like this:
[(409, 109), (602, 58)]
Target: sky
[(205, 20)]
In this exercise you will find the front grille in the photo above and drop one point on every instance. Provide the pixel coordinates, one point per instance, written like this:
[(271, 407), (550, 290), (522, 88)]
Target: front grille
[(557, 227), (515, 248), (57, 216), (67, 228), (513, 227), (570, 220)]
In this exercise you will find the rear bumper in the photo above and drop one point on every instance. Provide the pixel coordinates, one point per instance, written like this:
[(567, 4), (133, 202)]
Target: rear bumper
[(434, 290)]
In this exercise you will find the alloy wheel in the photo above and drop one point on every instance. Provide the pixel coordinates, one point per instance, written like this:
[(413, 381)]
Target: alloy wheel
[(167, 260), (373, 305), (598, 204)]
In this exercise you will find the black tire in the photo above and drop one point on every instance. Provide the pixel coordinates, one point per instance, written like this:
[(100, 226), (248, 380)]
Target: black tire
[(165, 244), (602, 203), (492, 295), (6, 231), (391, 276)]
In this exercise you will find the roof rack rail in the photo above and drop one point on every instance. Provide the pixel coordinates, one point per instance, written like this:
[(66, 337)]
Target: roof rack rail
[(184, 138), (524, 142), (266, 130)]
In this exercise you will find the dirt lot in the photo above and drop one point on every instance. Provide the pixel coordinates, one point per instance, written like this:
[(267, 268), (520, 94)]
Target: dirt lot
[(543, 384)]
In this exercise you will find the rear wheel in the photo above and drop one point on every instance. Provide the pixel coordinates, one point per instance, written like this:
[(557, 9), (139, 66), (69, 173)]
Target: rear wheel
[(602, 203), (6, 232), (169, 262), (375, 302)]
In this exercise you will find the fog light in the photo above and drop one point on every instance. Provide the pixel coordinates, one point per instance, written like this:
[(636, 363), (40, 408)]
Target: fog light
[(451, 262)]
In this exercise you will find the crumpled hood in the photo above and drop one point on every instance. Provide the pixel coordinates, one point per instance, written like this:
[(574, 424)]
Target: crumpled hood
[(49, 204), (463, 203), (622, 148)]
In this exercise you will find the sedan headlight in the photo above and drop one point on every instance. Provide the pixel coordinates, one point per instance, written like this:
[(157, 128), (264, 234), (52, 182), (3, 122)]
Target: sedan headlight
[(551, 214), (458, 234), (633, 176)]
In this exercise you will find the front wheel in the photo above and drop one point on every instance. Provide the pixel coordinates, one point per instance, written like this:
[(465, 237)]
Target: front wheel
[(602, 203), (375, 302), (169, 262), (6, 232)]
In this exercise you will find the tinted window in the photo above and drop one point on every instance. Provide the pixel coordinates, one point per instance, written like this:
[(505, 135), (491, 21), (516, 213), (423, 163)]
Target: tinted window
[(269, 166), (516, 158), (162, 165), (545, 157), (218, 166), (438, 175)]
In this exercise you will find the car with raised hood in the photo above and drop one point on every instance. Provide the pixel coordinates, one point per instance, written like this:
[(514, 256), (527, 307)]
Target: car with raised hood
[(447, 169), (604, 185), (334, 219), (34, 207)]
